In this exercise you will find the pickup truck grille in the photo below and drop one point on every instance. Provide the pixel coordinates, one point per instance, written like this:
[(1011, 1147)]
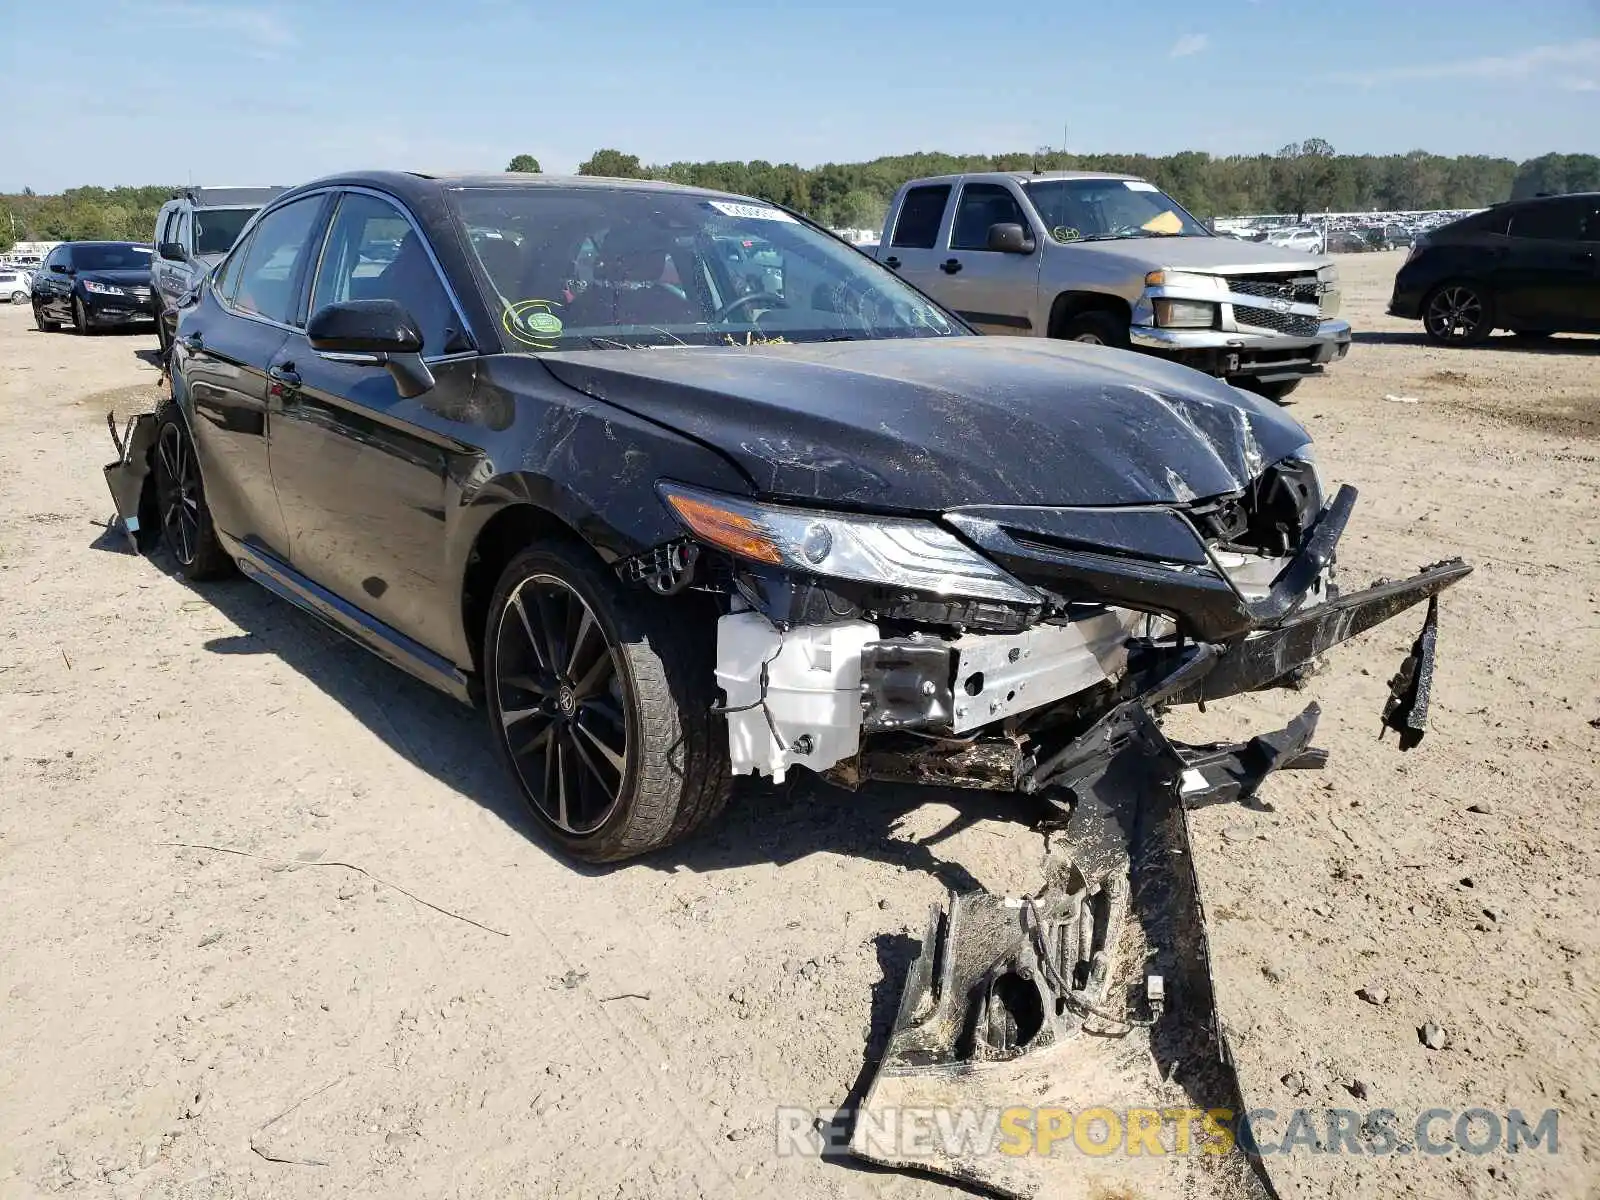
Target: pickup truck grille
[(1290, 324), (1301, 289)]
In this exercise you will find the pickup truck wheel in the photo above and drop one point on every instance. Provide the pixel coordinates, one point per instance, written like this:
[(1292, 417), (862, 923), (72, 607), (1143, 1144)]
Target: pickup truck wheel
[(186, 528), (600, 703), (1458, 314), (1097, 329), (1277, 392)]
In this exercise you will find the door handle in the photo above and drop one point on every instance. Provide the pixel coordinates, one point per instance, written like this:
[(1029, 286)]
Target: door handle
[(892, 263), (950, 266)]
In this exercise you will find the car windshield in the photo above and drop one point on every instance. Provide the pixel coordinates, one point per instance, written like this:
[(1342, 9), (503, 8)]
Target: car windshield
[(574, 268), (1092, 210), (111, 258), (216, 229)]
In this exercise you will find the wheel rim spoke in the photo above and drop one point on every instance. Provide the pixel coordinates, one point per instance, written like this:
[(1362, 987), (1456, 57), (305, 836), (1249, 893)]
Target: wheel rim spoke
[(565, 733)]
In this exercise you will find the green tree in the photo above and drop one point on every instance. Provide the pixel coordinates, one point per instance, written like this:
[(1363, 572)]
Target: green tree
[(1304, 177), (526, 164), (7, 240), (1556, 174), (613, 164)]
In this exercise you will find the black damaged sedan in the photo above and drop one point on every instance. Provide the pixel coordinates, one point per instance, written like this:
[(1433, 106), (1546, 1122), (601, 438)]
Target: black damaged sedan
[(535, 442)]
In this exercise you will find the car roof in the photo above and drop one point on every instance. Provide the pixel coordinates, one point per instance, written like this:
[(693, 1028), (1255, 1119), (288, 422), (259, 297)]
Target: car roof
[(417, 185), (133, 245), (1022, 176)]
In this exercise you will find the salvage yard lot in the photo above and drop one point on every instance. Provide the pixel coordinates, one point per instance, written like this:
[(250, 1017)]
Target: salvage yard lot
[(181, 1021)]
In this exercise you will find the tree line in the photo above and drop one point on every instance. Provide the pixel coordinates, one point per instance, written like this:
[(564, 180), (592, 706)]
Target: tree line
[(1305, 177)]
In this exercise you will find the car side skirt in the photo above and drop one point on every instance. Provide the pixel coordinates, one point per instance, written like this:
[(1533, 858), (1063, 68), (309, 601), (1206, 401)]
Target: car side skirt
[(383, 640)]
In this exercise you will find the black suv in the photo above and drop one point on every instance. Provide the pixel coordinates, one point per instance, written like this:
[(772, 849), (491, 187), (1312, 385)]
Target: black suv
[(1532, 266), (94, 284)]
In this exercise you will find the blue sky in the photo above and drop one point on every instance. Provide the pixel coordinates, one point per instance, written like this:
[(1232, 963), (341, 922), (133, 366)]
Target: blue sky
[(278, 91)]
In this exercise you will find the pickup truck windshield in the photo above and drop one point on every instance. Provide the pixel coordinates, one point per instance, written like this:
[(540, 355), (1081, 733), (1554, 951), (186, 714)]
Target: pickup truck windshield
[(1088, 210), (573, 268)]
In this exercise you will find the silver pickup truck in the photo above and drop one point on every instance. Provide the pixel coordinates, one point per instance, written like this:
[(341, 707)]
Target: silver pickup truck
[(1112, 259)]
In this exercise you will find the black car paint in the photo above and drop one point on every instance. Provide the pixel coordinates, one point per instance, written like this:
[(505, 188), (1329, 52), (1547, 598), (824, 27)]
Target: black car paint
[(1544, 285), (928, 425), (367, 507), (55, 289)]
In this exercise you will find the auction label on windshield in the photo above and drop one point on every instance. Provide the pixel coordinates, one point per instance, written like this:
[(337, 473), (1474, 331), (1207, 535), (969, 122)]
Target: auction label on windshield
[(754, 212), (1138, 185)]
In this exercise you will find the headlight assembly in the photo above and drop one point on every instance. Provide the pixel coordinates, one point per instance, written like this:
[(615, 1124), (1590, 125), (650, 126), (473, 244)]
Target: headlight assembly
[(102, 289), (888, 551), (1185, 314)]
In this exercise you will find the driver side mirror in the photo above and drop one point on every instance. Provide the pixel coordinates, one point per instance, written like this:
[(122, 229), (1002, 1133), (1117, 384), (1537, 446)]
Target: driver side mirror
[(61, 268), (1010, 238), (171, 251), (373, 333)]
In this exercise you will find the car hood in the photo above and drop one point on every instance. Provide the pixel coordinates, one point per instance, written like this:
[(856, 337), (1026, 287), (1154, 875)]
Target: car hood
[(132, 278), (929, 424), (1216, 255)]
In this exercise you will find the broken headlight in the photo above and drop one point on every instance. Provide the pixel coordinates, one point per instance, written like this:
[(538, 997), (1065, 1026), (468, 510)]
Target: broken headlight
[(889, 551)]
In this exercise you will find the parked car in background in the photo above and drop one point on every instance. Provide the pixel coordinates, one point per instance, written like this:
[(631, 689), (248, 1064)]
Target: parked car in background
[(193, 231), (1309, 241), (596, 503), (16, 284), (94, 285), (1346, 241), (1112, 259), (1530, 266)]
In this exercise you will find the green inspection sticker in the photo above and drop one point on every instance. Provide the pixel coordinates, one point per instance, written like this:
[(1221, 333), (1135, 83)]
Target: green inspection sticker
[(532, 323), (545, 324)]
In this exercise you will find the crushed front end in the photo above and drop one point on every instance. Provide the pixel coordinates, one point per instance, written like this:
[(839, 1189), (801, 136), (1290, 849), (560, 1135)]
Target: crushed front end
[(1033, 650)]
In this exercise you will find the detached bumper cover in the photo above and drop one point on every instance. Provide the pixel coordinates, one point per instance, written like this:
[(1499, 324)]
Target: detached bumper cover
[(128, 475)]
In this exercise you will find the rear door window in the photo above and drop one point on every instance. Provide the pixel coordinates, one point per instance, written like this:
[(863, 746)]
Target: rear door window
[(273, 263), (921, 213), (1554, 222)]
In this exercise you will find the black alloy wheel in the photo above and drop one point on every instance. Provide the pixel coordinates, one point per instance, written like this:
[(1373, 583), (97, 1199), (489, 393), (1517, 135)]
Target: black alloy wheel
[(600, 702), (561, 705), (1458, 314), (43, 322), (186, 529)]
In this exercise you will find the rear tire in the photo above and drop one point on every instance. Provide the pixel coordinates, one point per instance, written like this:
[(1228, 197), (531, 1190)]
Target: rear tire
[(186, 529), (1097, 328), (1278, 392), (600, 705), (1458, 314)]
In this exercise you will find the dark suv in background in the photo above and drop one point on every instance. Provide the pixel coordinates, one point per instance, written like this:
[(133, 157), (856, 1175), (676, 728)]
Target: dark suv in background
[(1531, 266), (92, 285)]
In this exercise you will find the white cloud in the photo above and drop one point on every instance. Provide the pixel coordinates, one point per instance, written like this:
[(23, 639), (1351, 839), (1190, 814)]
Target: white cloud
[(261, 29), (1189, 43), (1533, 63)]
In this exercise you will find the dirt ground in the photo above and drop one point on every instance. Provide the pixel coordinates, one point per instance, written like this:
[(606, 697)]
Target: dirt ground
[(181, 1022)]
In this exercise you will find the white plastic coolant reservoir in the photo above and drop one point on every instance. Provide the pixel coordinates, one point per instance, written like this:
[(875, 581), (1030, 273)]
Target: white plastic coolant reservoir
[(813, 692)]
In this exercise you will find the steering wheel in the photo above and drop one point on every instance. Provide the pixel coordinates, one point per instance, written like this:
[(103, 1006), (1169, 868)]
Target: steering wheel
[(734, 305)]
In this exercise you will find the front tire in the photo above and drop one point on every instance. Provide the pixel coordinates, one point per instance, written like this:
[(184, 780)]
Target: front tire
[(1458, 314), (45, 325), (600, 705), (186, 529), (1278, 392), (80, 317), (1097, 329)]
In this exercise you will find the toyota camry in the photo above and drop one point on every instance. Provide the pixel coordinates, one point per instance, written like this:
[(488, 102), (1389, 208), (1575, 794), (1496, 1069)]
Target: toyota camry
[(541, 443)]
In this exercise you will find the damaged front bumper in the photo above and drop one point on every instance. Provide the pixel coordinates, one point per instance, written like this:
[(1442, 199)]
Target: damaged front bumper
[(1017, 710), (1072, 1034), (129, 476)]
